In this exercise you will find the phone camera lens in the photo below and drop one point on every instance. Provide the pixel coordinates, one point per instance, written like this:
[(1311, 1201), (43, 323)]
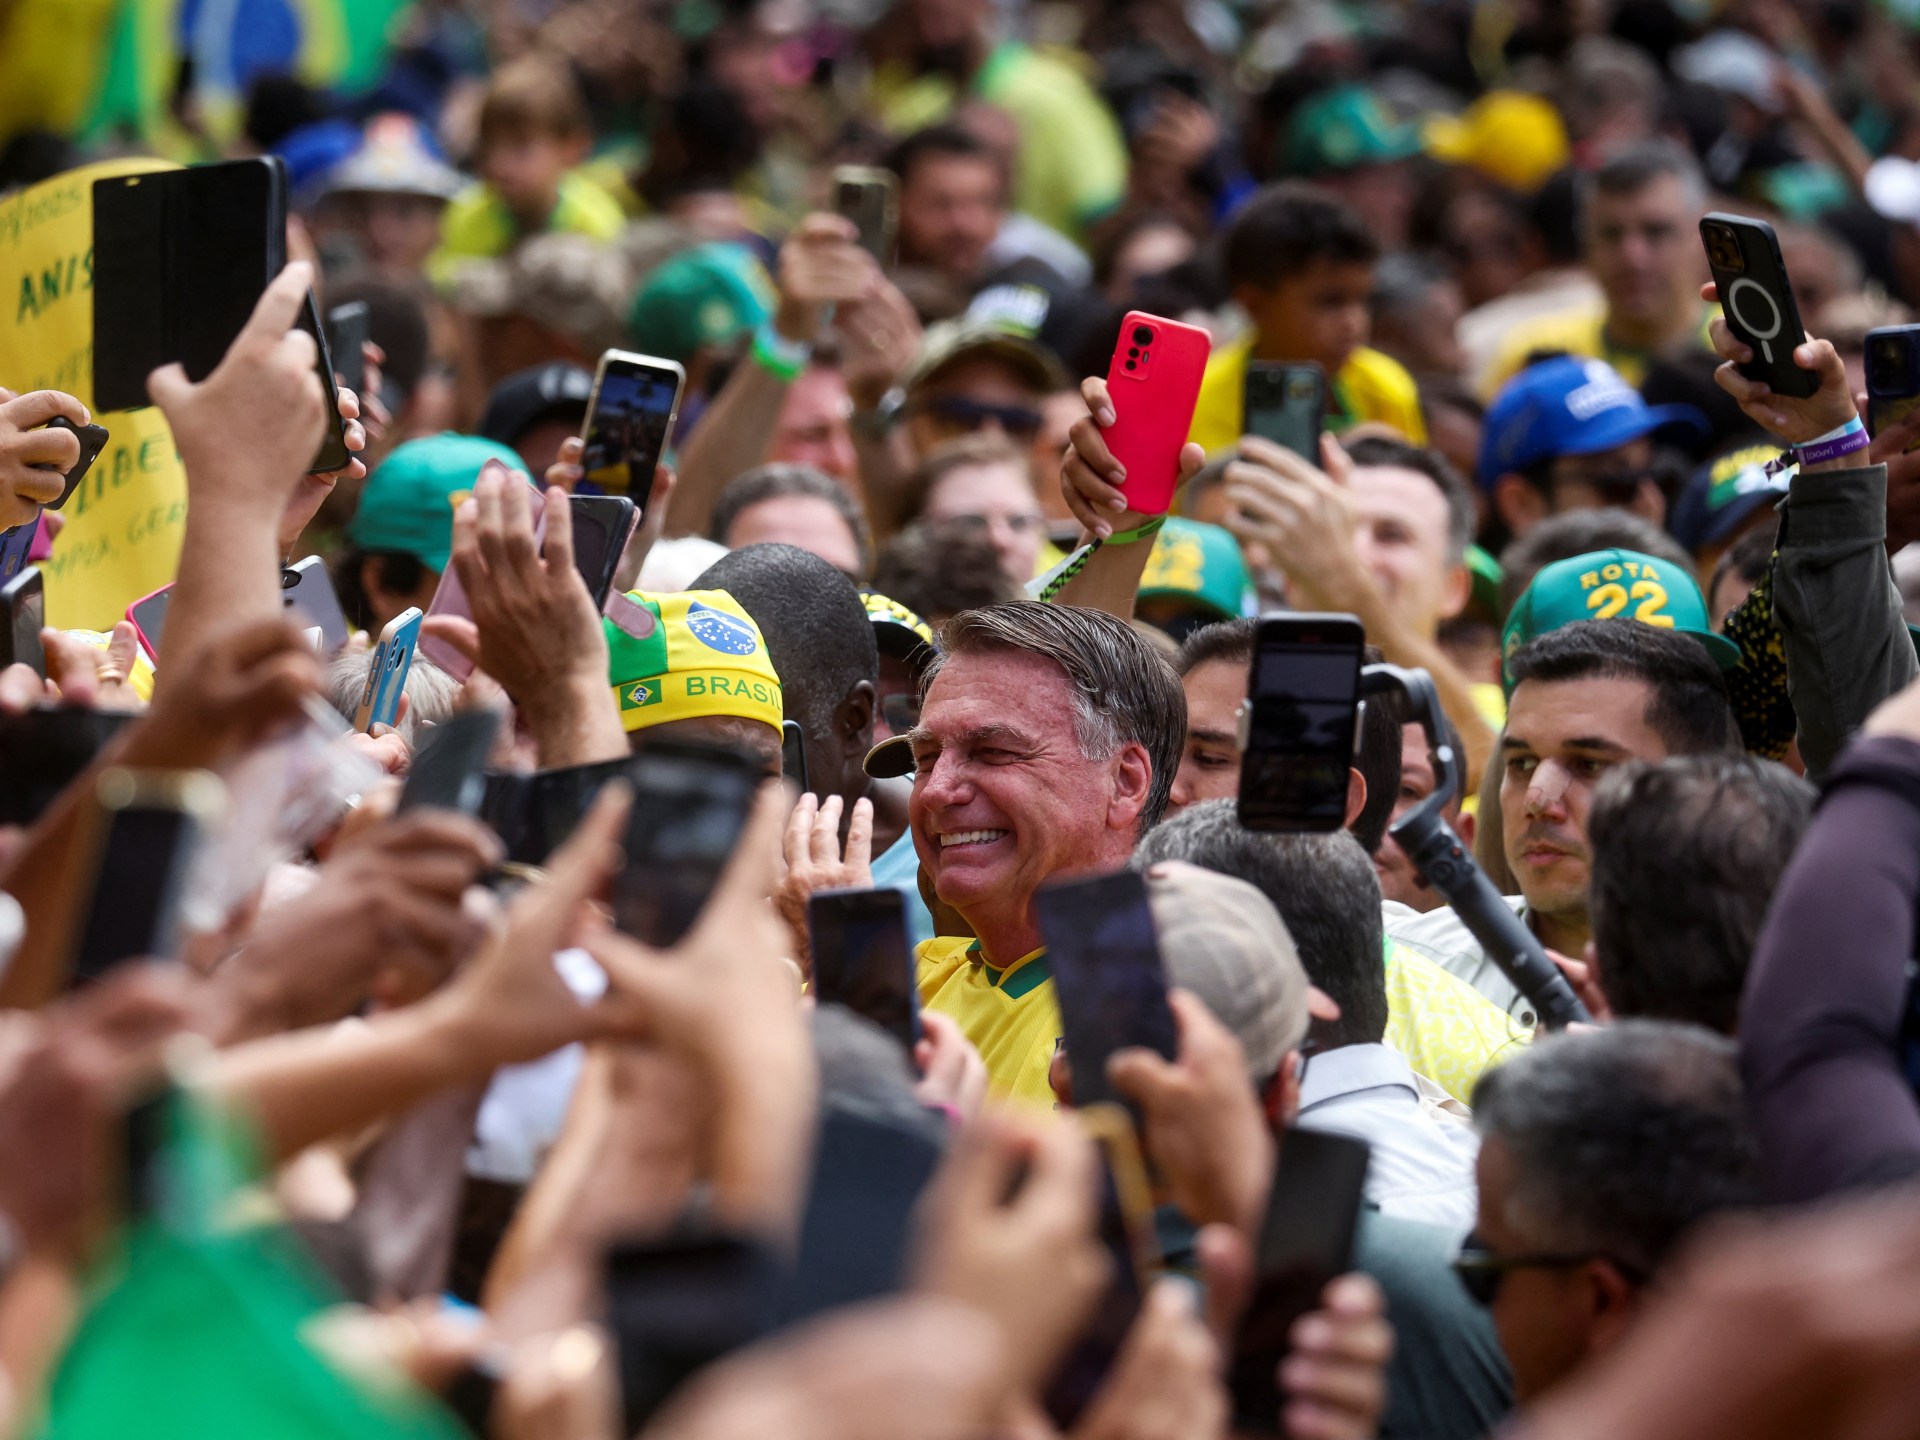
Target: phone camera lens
[(1133, 365), (1134, 353), (1142, 335)]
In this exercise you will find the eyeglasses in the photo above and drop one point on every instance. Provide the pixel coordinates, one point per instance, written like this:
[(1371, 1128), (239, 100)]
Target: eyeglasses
[(961, 416), (1018, 524), (1482, 1272)]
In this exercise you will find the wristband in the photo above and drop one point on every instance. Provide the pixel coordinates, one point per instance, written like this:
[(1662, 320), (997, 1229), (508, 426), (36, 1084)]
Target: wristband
[(777, 355), (1139, 532), (1840, 441)]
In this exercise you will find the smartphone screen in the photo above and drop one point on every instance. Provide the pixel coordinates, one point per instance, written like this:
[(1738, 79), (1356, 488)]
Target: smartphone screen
[(1107, 975), (601, 526), (868, 198), (448, 768), (690, 803), (862, 958), (857, 1229), (149, 617), (25, 604), (629, 422), (1302, 714), (307, 595), (147, 826), (347, 337), (1286, 404), (679, 1303), (1305, 1241), (42, 751), (793, 754), (1893, 376), (15, 547)]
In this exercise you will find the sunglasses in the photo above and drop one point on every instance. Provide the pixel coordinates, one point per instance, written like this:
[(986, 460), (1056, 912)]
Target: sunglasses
[(1618, 487), (963, 416), (1482, 1272)]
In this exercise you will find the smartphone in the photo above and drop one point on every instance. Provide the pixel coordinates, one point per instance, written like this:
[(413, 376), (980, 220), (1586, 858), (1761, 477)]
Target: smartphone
[(630, 416), (347, 329), (677, 1304), (44, 750), (856, 1231), (387, 675), (23, 614), (307, 595), (149, 617), (16, 548), (1305, 1241), (602, 524), (1757, 299), (448, 771), (690, 804), (863, 960), (1107, 975), (1127, 1232), (93, 439), (871, 200), (143, 832), (793, 754), (1893, 376), (333, 454), (450, 598), (1300, 722), (1154, 382), (1286, 404)]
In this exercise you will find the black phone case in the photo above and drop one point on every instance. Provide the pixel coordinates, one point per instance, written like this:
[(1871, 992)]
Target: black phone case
[(1762, 294), (93, 439)]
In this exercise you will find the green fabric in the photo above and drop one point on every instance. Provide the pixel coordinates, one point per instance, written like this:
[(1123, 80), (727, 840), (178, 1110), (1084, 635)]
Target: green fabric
[(407, 505), (1608, 584), (1200, 564), (1484, 576), (709, 295), (1072, 163), (1343, 129)]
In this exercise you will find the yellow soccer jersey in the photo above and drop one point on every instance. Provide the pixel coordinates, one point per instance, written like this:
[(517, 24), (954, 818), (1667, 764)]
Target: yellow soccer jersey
[(1010, 1015), (1370, 386), (1448, 1031)]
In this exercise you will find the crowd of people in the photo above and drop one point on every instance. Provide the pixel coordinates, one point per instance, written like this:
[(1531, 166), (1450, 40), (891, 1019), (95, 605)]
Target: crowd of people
[(404, 1131)]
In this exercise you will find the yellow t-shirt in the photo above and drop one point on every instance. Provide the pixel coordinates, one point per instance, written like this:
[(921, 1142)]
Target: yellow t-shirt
[(1370, 386), (1010, 1015), (1449, 1032), (478, 226), (1581, 331)]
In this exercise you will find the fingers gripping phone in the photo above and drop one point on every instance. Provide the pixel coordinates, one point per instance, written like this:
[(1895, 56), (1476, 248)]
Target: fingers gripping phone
[(387, 675), (1757, 299), (1107, 974), (862, 958), (690, 804), (871, 200), (1305, 1241), (144, 829), (450, 598), (23, 614), (602, 524), (1300, 722), (1286, 404), (635, 400), (93, 439), (1893, 376), (1154, 382)]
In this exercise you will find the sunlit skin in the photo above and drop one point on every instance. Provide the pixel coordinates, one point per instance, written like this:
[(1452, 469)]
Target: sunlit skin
[(1562, 737), (1319, 314), (803, 520), (1402, 541), (996, 760)]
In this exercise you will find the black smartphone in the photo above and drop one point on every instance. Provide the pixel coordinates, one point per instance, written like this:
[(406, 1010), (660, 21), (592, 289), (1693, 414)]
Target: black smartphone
[(1286, 404), (690, 804), (144, 830), (856, 1232), (863, 960), (601, 527), (347, 329), (1893, 376), (23, 614), (448, 770), (630, 416), (793, 754), (1757, 299), (870, 198), (677, 1304), (93, 439), (534, 814), (16, 545), (1107, 975), (1126, 1232), (1302, 714), (333, 454), (307, 595), (1305, 1241), (44, 750)]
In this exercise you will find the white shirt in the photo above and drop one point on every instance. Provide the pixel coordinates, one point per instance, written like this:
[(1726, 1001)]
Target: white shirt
[(1422, 1162), (1443, 938)]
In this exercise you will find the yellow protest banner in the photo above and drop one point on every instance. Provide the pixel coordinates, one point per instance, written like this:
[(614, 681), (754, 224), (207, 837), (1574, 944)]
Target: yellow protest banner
[(122, 537)]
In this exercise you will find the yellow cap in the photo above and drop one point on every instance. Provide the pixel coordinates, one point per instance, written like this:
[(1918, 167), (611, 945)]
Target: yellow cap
[(1514, 137), (685, 655)]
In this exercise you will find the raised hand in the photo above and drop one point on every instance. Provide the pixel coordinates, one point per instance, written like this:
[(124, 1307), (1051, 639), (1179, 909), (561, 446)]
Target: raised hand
[(33, 459), (1091, 478), (1788, 418)]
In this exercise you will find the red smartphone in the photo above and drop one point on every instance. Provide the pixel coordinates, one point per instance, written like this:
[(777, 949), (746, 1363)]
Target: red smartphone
[(1154, 380)]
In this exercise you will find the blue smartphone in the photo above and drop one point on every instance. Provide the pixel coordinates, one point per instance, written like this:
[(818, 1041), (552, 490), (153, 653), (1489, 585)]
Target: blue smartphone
[(387, 676), (15, 545)]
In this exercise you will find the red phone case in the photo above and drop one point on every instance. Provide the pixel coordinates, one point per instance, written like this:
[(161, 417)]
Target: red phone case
[(1154, 386)]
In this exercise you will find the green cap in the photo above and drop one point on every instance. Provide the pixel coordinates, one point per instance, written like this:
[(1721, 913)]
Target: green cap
[(1484, 575), (407, 505), (709, 295), (1199, 563), (1609, 584), (1342, 129)]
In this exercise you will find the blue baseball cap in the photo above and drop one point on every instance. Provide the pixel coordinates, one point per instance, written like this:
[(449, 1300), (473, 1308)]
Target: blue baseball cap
[(1568, 405)]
